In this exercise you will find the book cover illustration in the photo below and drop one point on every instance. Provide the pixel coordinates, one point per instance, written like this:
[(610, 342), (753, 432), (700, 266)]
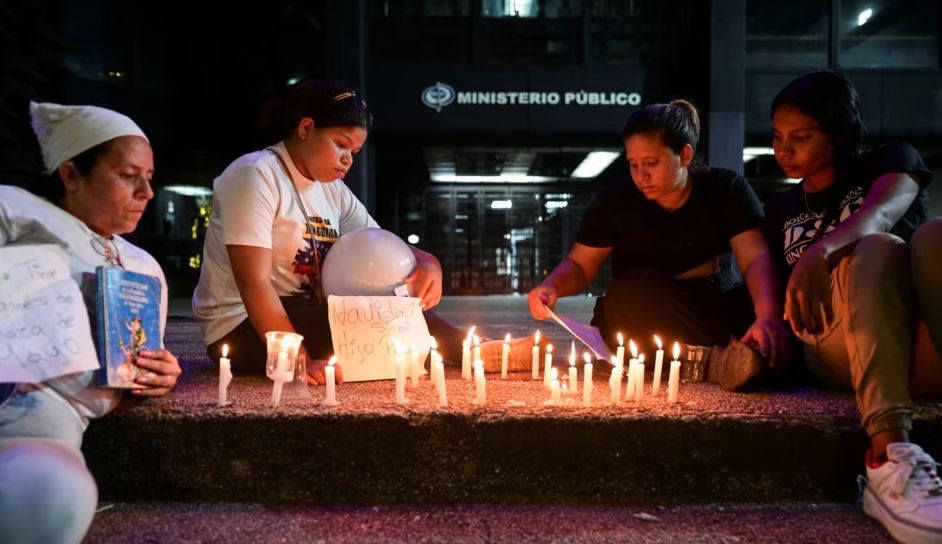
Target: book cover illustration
[(128, 321)]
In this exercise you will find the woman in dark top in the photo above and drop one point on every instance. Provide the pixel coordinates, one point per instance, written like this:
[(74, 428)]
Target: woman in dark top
[(669, 235), (862, 273)]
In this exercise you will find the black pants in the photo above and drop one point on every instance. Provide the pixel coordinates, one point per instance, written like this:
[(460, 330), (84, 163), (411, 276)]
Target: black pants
[(641, 305), (309, 319)]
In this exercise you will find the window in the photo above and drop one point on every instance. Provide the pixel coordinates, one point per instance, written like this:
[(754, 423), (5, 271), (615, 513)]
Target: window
[(787, 34), (889, 34)]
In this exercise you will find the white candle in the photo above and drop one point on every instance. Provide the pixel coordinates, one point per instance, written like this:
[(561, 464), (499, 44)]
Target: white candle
[(587, 380), (573, 375), (620, 352), (225, 376), (433, 377), (330, 375), (630, 387), (549, 364), (504, 357), (673, 379), (658, 362), (614, 382), (480, 391), (466, 355), (536, 356), (282, 375), (400, 376), (414, 366), (440, 381), (555, 399), (639, 380)]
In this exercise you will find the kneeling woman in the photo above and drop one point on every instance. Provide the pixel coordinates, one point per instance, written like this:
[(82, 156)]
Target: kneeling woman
[(668, 235)]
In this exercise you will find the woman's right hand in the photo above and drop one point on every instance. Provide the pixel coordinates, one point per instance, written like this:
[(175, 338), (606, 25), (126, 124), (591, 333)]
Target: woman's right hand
[(540, 298)]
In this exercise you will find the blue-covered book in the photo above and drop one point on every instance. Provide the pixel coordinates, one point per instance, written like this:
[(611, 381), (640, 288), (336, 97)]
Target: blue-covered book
[(128, 321)]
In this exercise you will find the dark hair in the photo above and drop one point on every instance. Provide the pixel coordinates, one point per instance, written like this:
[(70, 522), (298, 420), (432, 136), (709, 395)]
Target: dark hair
[(328, 103), (677, 123), (51, 188), (830, 99)]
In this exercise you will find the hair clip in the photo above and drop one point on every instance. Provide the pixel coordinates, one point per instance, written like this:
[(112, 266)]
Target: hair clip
[(348, 94)]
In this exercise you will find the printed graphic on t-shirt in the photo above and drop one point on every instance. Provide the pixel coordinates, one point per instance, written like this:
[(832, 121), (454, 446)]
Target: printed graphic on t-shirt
[(800, 231), (308, 260)]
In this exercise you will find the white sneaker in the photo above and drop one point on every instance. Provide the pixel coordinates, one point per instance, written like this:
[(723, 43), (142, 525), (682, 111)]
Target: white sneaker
[(905, 494)]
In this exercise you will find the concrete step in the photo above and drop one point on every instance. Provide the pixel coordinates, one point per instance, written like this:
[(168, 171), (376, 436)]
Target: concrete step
[(713, 446), (154, 523)]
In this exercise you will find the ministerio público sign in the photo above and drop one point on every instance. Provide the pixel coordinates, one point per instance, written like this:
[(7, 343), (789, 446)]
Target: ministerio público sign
[(441, 95)]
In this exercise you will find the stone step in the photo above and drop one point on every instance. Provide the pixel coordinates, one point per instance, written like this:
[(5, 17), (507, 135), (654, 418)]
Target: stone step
[(256, 523), (795, 445)]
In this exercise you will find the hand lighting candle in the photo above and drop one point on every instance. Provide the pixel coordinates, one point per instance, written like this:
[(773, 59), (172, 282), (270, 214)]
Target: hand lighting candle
[(225, 376), (536, 356), (673, 379), (658, 362)]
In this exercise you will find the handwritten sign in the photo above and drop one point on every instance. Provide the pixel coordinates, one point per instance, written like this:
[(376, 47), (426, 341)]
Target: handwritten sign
[(44, 330), (363, 330)]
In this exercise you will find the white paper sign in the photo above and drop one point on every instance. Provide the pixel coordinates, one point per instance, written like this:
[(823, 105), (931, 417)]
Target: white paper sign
[(363, 329), (44, 330), (587, 334)]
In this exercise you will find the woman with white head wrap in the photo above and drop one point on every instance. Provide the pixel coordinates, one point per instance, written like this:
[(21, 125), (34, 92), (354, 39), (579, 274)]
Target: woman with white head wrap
[(100, 165)]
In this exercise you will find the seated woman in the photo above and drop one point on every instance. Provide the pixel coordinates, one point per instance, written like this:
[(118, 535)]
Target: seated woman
[(862, 273), (101, 165), (667, 235), (276, 214)]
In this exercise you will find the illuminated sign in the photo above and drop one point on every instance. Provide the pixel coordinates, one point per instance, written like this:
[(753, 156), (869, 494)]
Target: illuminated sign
[(440, 95)]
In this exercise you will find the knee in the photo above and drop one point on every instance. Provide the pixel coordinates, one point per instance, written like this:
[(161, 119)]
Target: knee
[(926, 244), (882, 251), (46, 494)]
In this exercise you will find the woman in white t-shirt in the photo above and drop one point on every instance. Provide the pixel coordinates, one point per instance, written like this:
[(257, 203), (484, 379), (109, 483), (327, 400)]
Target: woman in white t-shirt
[(276, 213)]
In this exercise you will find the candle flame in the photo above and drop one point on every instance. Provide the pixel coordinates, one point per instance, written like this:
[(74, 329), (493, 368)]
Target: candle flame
[(621, 340), (676, 350), (586, 357), (549, 348), (333, 359), (477, 340), (434, 342), (225, 350), (657, 340), (634, 349), (507, 338), (536, 337)]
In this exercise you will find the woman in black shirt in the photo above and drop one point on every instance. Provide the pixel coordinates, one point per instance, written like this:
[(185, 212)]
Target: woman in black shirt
[(856, 289), (669, 235)]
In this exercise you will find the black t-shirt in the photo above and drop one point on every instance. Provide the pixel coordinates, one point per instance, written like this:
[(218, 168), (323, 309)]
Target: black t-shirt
[(793, 224), (646, 237)]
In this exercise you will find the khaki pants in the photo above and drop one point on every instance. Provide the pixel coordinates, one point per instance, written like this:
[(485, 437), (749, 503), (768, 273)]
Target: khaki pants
[(878, 294)]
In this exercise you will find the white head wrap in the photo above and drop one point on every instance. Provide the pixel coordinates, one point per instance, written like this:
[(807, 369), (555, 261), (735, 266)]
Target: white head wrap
[(66, 131)]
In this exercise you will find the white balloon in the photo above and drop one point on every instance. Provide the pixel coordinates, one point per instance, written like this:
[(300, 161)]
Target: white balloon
[(365, 262)]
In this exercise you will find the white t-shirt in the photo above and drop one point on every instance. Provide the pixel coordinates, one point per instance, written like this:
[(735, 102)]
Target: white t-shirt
[(254, 204), (28, 219)]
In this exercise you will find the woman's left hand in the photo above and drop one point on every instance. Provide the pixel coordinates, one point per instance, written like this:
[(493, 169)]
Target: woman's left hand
[(161, 372), (808, 294), (770, 336), (425, 282)]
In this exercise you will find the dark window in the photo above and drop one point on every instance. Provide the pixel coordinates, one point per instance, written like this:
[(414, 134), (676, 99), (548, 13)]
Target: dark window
[(889, 34), (787, 34)]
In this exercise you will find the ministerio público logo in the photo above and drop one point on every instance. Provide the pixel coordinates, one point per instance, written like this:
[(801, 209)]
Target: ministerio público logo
[(440, 94)]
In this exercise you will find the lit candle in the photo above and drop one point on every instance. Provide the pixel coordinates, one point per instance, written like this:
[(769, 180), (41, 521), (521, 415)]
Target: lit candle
[(673, 379), (658, 362), (620, 352), (631, 387), (555, 399), (573, 375), (466, 355), (225, 376), (504, 356), (614, 382), (414, 366), (440, 380), (639, 380), (536, 356), (549, 364), (400, 376), (433, 352), (587, 380), (480, 391), (330, 374), (281, 376)]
